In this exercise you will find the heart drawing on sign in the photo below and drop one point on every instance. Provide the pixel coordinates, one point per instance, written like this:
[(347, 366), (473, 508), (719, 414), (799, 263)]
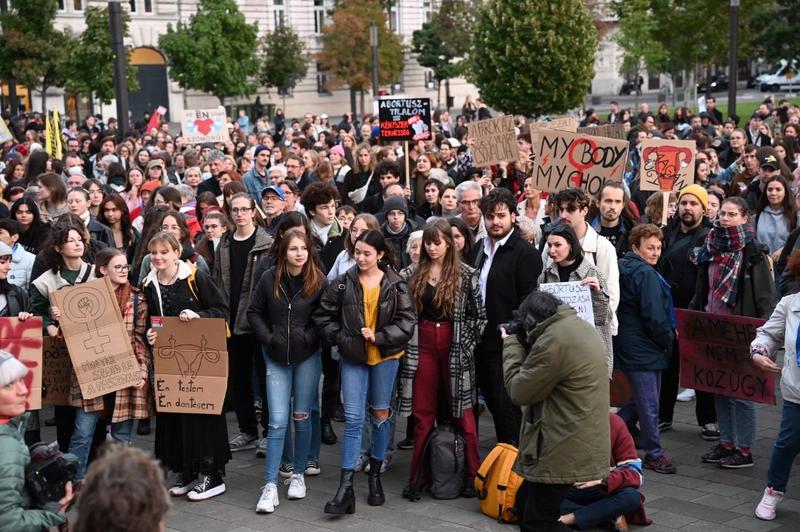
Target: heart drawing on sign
[(204, 126)]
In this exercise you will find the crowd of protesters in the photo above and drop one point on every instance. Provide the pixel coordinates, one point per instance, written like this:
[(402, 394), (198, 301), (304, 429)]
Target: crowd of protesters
[(382, 276)]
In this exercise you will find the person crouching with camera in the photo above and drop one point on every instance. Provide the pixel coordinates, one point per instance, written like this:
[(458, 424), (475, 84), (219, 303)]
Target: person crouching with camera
[(556, 369), (16, 512)]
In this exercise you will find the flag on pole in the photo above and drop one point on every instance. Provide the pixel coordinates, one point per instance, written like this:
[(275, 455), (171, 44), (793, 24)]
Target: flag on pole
[(53, 135)]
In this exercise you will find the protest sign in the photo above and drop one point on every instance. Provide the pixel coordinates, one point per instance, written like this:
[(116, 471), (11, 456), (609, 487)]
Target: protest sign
[(609, 131), (97, 339), (715, 356), (667, 165), (574, 294), (56, 370), (405, 118), (5, 134), (191, 366), (568, 123), (23, 339), (566, 160), (495, 141), (205, 125)]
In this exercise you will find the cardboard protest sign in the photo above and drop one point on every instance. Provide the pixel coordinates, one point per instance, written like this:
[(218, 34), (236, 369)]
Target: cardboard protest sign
[(609, 131), (205, 125), (715, 356), (567, 160), (575, 295), (23, 339), (568, 123), (666, 165), (98, 342), (405, 118), (56, 371), (495, 140), (5, 134), (191, 366)]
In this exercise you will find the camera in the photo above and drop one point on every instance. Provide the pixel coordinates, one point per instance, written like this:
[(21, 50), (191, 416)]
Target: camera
[(511, 327), (48, 473)]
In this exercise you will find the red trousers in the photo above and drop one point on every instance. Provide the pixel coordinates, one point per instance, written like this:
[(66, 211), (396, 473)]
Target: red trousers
[(432, 381)]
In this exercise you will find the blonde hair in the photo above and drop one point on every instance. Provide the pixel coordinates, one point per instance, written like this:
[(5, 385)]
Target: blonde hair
[(164, 238)]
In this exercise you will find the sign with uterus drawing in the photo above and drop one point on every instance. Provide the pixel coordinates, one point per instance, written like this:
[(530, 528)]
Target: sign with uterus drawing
[(191, 365), (666, 165)]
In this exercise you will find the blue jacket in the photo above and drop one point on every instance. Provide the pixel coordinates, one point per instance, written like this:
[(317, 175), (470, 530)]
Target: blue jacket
[(253, 183), (646, 317)]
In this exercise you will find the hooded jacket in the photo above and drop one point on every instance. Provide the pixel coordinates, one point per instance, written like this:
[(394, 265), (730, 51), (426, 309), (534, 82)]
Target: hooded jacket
[(675, 266)]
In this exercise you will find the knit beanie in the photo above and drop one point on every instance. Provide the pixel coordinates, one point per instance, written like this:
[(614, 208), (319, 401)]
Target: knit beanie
[(696, 191), (11, 369)]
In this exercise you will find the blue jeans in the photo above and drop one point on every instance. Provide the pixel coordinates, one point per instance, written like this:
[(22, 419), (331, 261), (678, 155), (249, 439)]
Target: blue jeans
[(786, 448), (366, 433), (301, 382), (366, 386), (593, 506), (646, 388), (737, 421), (81, 442)]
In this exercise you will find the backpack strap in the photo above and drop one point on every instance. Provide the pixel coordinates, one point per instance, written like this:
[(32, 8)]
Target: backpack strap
[(483, 470)]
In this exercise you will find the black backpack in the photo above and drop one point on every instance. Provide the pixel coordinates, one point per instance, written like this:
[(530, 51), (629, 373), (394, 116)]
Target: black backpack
[(444, 457)]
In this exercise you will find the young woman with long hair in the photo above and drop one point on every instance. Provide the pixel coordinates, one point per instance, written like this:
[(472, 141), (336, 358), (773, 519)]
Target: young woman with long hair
[(95, 190), (34, 232), (368, 315), (463, 238), (134, 180), (280, 315), (52, 197), (346, 258), (173, 223), (776, 215), (115, 215), (363, 173), (215, 225), (440, 361)]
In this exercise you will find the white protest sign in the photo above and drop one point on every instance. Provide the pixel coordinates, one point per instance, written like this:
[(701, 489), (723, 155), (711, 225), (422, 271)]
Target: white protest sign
[(574, 294)]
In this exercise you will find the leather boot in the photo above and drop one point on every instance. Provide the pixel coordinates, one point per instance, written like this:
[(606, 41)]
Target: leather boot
[(376, 497), (327, 435), (344, 502)]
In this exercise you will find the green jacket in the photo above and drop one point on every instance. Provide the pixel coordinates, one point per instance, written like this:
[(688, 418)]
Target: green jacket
[(562, 385), (14, 500)]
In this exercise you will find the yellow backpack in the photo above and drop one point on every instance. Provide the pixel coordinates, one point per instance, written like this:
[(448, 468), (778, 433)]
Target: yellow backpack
[(497, 484)]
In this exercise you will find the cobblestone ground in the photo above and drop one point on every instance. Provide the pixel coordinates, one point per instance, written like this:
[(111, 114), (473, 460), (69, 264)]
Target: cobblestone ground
[(701, 497)]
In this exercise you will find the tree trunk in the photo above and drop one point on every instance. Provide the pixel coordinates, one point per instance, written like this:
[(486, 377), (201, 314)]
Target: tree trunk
[(44, 98), (447, 94), (674, 76), (353, 109), (362, 102), (438, 94)]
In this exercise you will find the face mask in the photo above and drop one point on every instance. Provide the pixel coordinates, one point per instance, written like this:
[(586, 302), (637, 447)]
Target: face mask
[(206, 175), (75, 170)]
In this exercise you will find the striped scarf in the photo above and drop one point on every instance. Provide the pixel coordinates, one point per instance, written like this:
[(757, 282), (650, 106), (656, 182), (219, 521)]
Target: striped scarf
[(724, 246)]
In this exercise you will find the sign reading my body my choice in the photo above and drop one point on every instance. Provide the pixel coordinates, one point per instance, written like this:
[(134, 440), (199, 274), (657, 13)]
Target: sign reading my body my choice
[(405, 118)]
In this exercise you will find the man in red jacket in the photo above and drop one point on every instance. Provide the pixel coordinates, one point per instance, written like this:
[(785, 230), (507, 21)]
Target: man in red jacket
[(616, 498)]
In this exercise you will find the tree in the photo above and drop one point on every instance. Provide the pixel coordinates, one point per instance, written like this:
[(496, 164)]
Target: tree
[(90, 63), (31, 49), (346, 49), (533, 57), (214, 52), (445, 40), (285, 61), (777, 24)]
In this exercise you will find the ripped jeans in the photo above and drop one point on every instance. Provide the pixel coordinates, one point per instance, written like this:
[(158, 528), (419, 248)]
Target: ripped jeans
[(366, 386), (301, 382)]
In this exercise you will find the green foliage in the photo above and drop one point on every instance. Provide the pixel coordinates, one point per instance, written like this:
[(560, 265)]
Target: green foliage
[(214, 52), (31, 49), (533, 57), (346, 49), (446, 39), (775, 23), (285, 61), (90, 64)]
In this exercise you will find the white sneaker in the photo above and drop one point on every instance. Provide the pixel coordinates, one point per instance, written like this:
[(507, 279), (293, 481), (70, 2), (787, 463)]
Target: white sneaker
[(268, 500), (297, 487), (686, 395), (769, 501)]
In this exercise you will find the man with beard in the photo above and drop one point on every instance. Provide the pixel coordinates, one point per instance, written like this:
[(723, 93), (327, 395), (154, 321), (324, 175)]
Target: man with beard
[(682, 236), (614, 219), (509, 268)]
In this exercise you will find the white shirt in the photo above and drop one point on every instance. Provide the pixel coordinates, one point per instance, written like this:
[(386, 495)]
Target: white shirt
[(321, 232), (489, 249)]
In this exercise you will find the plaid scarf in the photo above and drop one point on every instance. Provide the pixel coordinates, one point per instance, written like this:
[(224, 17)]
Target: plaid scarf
[(724, 246)]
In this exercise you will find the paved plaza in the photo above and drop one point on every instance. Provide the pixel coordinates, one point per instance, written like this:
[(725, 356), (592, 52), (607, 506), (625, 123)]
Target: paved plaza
[(701, 497)]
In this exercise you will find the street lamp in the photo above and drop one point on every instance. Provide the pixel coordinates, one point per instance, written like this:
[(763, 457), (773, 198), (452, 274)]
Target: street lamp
[(120, 64), (732, 63)]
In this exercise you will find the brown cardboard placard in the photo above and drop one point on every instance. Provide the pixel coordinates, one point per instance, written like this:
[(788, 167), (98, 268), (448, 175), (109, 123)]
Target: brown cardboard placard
[(567, 123), (666, 165), (23, 339), (56, 370), (495, 140), (191, 366), (609, 131), (569, 160), (205, 125), (98, 342)]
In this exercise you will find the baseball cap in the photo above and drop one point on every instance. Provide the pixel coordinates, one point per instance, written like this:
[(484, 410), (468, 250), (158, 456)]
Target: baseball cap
[(276, 189), (5, 250), (769, 160)]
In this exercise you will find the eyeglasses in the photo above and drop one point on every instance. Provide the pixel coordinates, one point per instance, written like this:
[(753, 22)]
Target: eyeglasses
[(723, 214), (242, 210), (470, 203), (272, 198), (122, 267)]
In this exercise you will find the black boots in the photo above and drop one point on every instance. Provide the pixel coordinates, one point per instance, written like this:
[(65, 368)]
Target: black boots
[(376, 497), (344, 502), (327, 435)]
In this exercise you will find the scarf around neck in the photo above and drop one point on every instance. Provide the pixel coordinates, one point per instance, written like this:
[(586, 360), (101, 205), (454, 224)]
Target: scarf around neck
[(724, 245)]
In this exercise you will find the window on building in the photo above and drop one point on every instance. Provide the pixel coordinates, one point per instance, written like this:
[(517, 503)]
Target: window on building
[(61, 5), (148, 6), (322, 80), (319, 15), (430, 81), (426, 7), (278, 13), (393, 24), (133, 6), (77, 5)]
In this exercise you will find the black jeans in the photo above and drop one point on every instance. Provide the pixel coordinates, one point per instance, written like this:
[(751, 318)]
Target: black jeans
[(241, 351), (506, 415), (331, 383), (539, 506), (670, 378)]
